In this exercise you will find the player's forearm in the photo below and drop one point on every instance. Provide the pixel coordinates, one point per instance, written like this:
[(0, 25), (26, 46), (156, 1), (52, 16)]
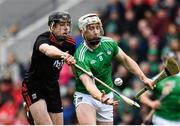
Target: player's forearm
[(94, 92), (146, 100), (51, 51), (91, 87), (133, 67)]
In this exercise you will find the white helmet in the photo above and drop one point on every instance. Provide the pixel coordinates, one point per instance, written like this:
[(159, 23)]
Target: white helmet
[(89, 19)]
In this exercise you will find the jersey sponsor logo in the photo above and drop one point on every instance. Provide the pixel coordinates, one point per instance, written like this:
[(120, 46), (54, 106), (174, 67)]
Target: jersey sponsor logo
[(58, 64), (34, 96), (93, 61), (79, 99), (109, 52)]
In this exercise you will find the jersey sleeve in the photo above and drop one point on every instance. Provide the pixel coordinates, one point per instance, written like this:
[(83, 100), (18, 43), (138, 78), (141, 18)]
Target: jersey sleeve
[(40, 40), (115, 47), (113, 44)]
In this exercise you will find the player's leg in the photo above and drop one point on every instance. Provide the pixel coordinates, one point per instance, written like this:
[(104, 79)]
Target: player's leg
[(105, 117), (36, 104), (28, 114), (86, 114), (85, 110), (57, 118), (104, 123), (39, 113), (105, 113), (54, 104)]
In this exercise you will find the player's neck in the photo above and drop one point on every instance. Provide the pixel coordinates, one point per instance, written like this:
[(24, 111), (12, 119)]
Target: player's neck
[(91, 47)]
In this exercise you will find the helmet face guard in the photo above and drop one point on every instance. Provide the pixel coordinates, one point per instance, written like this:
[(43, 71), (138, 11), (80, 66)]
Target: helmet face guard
[(58, 17), (86, 20)]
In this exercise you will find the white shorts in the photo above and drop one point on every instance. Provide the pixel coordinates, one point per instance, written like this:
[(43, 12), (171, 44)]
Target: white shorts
[(104, 113), (161, 121)]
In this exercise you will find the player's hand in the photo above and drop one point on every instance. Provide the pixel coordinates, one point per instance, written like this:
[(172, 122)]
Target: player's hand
[(69, 59), (155, 104), (149, 82), (106, 100)]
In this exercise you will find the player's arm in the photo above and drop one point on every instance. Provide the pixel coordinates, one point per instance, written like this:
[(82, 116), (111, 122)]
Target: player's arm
[(52, 51), (94, 91), (154, 104), (133, 67), (90, 86)]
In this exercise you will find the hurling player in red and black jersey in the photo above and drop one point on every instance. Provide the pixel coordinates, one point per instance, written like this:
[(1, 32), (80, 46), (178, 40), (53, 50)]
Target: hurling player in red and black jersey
[(40, 87)]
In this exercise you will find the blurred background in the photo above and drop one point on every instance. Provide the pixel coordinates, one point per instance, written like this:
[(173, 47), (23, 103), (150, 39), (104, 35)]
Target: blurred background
[(145, 29)]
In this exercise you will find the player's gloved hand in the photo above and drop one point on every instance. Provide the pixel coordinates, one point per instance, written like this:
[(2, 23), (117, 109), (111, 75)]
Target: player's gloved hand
[(69, 59), (106, 100)]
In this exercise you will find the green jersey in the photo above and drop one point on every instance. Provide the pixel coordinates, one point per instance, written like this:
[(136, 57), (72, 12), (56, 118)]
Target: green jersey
[(170, 105), (97, 62)]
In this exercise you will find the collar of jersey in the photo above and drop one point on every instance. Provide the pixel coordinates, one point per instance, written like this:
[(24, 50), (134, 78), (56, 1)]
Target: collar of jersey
[(90, 48)]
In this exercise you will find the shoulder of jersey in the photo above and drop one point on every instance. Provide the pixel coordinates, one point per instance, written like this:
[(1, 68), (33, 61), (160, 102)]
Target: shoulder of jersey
[(80, 47), (80, 52), (106, 39), (45, 34), (71, 40)]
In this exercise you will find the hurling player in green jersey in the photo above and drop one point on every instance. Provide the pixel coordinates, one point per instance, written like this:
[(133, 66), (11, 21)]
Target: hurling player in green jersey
[(95, 56), (168, 109)]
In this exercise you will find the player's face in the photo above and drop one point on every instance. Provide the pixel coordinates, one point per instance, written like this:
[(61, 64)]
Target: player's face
[(93, 31), (61, 29)]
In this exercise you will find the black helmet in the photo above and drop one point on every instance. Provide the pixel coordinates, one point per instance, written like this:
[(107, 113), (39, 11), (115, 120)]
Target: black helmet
[(57, 17)]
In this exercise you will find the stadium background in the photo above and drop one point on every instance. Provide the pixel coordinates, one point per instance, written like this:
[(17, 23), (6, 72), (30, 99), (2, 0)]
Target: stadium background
[(145, 29)]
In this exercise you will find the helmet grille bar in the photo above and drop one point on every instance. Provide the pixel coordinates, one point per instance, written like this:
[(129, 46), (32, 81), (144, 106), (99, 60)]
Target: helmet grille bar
[(89, 16)]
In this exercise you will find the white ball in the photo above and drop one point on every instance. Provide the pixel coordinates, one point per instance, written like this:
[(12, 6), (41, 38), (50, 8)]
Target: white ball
[(118, 81)]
